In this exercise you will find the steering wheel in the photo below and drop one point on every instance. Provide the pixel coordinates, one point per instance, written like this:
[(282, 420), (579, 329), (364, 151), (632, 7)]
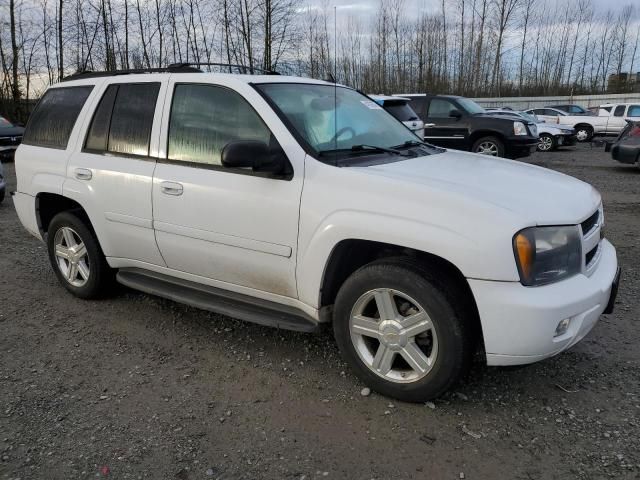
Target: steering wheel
[(340, 132)]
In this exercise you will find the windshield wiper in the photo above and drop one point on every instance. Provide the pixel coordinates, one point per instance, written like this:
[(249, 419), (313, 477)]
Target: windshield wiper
[(417, 143), (375, 148), (364, 149)]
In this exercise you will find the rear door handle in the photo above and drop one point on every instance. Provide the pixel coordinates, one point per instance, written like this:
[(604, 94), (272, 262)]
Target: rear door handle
[(83, 173), (171, 188)]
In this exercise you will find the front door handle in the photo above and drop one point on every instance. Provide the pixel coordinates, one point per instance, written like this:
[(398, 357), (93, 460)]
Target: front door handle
[(429, 125), (171, 188), (83, 173)]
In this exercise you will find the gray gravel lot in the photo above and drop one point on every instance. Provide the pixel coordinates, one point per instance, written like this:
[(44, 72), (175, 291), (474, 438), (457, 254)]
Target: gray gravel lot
[(139, 387)]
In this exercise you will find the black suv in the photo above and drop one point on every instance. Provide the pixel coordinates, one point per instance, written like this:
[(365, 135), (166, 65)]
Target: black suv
[(460, 123), (10, 138)]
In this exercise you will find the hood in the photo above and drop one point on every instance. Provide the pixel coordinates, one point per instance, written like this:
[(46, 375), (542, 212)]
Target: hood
[(11, 131), (534, 194), (509, 118)]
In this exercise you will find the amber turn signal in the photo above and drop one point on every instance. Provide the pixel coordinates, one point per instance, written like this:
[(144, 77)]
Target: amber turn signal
[(525, 249)]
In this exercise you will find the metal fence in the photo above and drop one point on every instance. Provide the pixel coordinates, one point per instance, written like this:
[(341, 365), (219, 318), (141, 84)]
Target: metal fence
[(524, 103)]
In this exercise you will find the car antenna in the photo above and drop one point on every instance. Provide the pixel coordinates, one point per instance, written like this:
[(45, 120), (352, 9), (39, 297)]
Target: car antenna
[(335, 74)]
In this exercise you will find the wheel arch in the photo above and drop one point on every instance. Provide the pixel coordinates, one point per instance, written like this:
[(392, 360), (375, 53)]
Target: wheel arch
[(478, 134), (349, 255), (48, 205)]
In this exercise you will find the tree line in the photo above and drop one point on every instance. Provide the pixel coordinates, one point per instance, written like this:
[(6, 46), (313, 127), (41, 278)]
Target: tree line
[(467, 47)]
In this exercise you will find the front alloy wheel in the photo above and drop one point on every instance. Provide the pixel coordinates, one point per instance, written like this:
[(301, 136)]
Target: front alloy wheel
[(393, 335), (399, 330), (487, 148), (546, 143)]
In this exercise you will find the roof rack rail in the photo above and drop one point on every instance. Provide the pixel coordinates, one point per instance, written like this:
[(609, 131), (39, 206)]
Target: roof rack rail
[(173, 68), (170, 69), (243, 68)]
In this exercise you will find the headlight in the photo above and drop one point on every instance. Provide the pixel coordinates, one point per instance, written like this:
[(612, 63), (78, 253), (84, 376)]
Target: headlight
[(519, 128), (547, 254)]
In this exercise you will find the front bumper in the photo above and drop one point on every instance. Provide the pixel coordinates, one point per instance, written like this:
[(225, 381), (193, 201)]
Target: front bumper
[(521, 146), (566, 140), (519, 323)]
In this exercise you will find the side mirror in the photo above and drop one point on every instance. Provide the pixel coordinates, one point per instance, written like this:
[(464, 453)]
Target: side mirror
[(253, 154), (455, 114)]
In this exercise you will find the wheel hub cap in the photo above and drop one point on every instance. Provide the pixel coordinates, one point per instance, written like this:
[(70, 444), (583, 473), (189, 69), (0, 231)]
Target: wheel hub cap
[(393, 335)]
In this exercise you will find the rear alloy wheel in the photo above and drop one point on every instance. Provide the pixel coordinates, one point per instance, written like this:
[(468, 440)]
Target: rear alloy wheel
[(398, 330), (546, 143), (76, 257), (489, 146), (584, 133)]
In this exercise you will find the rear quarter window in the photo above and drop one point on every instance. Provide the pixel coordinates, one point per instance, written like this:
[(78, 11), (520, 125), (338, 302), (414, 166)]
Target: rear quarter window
[(401, 111), (52, 121)]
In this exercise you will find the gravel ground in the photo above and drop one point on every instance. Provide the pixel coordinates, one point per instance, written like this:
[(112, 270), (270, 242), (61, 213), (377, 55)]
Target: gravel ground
[(139, 387)]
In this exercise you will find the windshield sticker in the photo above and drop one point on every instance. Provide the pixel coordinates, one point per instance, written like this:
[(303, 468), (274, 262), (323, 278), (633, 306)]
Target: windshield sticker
[(371, 104)]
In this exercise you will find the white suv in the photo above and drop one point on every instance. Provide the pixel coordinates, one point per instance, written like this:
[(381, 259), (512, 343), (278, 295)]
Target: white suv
[(295, 203)]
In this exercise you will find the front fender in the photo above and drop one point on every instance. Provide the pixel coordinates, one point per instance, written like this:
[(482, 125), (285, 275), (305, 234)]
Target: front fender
[(464, 252)]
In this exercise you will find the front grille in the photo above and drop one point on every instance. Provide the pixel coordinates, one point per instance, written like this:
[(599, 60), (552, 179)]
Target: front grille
[(590, 223), (10, 141)]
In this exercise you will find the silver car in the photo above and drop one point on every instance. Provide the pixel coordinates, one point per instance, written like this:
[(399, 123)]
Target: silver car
[(400, 109)]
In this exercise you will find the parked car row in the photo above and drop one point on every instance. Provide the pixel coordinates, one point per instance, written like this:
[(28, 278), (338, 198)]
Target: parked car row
[(610, 120)]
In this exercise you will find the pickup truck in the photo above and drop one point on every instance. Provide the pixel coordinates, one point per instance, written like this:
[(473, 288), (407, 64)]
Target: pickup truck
[(460, 123), (609, 121)]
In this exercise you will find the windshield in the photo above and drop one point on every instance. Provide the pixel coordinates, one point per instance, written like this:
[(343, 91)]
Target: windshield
[(470, 106), (5, 123), (530, 117), (330, 118)]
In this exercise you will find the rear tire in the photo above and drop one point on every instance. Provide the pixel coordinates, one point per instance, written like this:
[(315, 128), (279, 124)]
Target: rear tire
[(547, 143), (491, 146), (414, 348), (76, 257)]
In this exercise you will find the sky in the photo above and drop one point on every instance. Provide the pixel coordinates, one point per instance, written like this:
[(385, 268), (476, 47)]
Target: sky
[(368, 7)]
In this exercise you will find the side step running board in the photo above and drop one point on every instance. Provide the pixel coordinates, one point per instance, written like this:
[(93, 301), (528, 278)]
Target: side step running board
[(217, 300)]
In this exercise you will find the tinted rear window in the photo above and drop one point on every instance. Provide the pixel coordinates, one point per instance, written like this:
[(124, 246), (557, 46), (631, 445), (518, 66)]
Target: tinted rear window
[(123, 120), (401, 111), (52, 121)]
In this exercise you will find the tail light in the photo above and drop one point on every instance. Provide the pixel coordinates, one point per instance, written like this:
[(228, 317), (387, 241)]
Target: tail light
[(630, 131)]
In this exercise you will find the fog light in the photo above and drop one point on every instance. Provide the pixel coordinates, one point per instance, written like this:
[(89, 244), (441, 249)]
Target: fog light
[(562, 327)]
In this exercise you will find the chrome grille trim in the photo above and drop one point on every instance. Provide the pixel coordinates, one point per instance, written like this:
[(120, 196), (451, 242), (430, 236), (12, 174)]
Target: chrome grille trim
[(591, 239)]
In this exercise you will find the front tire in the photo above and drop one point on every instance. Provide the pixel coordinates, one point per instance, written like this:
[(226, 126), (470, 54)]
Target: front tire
[(76, 257), (547, 143), (584, 133), (398, 330), (491, 146)]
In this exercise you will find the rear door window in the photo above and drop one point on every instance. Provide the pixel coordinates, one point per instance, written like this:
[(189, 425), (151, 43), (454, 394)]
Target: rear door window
[(52, 121), (123, 120)]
